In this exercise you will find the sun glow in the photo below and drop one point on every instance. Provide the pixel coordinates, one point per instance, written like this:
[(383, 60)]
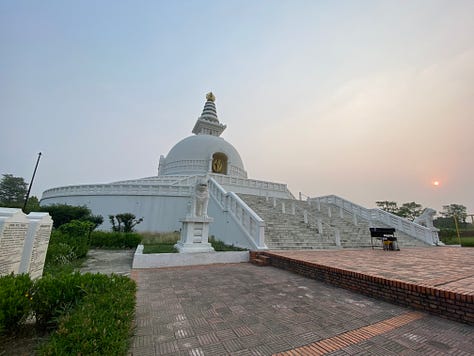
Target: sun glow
[(436, 183)]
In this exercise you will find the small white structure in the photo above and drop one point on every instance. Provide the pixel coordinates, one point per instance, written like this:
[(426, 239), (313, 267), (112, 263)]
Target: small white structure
[(426, 220), (195, 230)]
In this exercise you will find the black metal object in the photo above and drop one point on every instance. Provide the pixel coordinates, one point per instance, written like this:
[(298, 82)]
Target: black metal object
[(387, 237), (31, 183)]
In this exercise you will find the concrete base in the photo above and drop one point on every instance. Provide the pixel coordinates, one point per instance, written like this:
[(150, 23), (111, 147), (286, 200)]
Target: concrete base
[(195, 235), (158, 260), (194, 247)]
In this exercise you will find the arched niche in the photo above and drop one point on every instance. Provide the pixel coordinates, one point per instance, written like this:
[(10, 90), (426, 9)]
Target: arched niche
[(219, 163)]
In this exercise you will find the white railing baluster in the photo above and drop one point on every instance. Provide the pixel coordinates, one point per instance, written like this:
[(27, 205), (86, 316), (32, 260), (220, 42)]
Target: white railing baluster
[(372, 215), (251, 224)]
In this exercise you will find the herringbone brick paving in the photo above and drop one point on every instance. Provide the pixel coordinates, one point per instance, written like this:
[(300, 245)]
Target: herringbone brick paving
[(242, 309)]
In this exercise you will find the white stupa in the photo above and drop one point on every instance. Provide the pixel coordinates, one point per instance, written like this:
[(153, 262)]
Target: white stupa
[(205, 152), (163, 200)]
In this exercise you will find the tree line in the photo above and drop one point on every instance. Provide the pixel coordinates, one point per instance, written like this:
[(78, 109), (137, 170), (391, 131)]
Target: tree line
[(412, 210)]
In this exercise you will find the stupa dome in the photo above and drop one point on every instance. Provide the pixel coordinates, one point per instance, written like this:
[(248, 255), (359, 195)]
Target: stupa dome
[(204, 152)]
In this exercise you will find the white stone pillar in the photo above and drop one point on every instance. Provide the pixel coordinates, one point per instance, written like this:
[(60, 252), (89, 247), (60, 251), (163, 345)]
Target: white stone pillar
[(341, 212), (293, 208), (337, 236), (318, 204), (320, 226), (283, 210), (329, 212), (274, 202), (305, 216)]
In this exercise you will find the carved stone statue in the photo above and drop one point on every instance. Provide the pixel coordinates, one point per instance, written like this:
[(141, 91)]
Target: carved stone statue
[(200, 199), (426, 218)]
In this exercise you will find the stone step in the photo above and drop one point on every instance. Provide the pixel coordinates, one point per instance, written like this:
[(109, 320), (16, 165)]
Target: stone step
[(289, 231)]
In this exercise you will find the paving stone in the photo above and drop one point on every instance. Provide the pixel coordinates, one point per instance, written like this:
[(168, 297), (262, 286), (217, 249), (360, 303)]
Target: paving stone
[(164, 348), (249, 310), (232, 345), (188, 343), (214, 350), (208, 339)]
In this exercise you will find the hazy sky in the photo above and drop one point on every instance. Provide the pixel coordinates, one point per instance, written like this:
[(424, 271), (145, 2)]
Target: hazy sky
[(368, 100)]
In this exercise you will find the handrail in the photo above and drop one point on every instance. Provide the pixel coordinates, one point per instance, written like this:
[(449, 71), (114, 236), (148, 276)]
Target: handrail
[(401, 224), (251, 224)]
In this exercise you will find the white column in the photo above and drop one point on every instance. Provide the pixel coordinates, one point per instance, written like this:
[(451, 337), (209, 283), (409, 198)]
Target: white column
[(293, 208), (305, 216), (283, 207), (320, 226), (337, 236)]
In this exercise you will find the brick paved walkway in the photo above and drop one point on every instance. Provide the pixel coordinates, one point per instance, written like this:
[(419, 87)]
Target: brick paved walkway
[(242, 309), (449, 268)]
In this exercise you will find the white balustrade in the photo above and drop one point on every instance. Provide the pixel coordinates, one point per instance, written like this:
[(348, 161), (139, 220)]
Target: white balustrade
[(252, 225), (401, 224), (119, 189)]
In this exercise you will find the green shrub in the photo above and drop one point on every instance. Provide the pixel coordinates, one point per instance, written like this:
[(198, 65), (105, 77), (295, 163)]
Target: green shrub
[(15, 301), (56, 295), (76, 234), (103, 239), (63, 214), (59, 253), (124, 222), (101, 324)]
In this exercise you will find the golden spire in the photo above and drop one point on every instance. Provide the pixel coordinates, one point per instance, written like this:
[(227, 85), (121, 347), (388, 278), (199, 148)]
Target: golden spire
[(210, 97)]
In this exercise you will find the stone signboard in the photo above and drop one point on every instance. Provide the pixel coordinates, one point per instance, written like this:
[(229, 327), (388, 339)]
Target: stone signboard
[(13, 229), (36, 244)]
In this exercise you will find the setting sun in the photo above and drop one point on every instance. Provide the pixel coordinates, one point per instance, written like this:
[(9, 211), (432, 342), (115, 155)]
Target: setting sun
[(436, 183)]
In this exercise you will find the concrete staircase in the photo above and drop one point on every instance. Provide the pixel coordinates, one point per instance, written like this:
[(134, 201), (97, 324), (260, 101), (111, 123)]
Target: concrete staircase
[(297, 225)]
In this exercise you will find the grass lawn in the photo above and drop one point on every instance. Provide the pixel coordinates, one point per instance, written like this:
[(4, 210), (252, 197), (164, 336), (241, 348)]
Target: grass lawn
[(159, 248), (164, 243), (465, 241)]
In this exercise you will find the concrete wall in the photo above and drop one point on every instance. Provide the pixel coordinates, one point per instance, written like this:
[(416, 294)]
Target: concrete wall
[(160, 213)]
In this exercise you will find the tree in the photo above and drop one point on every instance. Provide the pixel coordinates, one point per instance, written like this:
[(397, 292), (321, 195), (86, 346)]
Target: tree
[(388, 206), (410, 210), (32, 205), (12, 191), (458, 210), (407, 210), (124, 222), (63, 214)]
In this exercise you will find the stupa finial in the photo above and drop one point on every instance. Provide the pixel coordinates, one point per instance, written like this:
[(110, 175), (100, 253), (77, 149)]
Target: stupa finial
[(210, 97)]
